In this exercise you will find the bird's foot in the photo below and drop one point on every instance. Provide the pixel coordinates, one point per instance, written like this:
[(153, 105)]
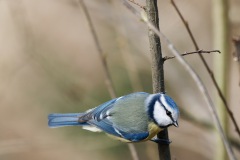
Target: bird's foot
[(161, 141)]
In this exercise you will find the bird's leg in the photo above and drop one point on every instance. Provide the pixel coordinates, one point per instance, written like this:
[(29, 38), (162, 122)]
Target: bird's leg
[(161, 141)]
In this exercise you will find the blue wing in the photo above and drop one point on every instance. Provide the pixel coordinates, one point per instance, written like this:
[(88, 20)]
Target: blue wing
[(98, 117), (99, 112), (109, 128)]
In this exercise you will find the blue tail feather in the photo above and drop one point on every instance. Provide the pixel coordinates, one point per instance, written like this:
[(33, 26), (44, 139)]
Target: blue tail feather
[(68, 119)]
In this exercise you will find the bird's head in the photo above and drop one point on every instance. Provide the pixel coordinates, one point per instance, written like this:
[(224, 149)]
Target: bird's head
[(162, 110)]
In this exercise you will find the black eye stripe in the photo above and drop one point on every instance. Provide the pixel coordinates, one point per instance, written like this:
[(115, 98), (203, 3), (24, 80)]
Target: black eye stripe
[(167, 111)]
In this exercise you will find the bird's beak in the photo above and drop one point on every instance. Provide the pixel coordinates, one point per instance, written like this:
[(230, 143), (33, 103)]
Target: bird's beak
[(175, 124)]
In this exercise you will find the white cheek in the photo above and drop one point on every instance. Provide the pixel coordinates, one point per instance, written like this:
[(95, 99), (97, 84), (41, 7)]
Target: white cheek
[(159, 114)]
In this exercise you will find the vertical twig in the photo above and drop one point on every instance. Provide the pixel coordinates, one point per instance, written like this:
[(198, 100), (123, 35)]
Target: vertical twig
[(157, 68), (155, 48), (194, 75), (108, 78)]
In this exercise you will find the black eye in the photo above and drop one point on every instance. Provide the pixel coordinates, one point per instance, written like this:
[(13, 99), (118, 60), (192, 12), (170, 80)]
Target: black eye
[(168, 113)]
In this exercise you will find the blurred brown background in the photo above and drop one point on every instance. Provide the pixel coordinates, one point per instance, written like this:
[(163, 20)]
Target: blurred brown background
[(49, 63)]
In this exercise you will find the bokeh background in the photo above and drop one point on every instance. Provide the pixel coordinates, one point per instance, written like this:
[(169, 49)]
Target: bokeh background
[(49, 63)]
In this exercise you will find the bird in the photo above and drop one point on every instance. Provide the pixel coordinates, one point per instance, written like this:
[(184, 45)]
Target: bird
[(135, 117)]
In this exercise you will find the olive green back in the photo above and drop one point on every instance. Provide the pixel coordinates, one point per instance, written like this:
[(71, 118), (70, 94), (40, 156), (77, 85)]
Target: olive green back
[(129, 113)]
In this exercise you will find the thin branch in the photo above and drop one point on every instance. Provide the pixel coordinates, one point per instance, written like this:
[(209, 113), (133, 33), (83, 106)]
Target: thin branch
[(157, 69), (208, 69), (206, 96), (108, 78), (194, 75), (187, 27), (188, 53), (139, 5), (235, 143)]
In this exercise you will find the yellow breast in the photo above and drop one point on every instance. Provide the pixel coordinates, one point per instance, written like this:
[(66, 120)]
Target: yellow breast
[(153, 130)]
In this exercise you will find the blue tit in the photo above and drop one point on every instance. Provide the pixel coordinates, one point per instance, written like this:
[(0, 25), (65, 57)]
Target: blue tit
[(131, 118)]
